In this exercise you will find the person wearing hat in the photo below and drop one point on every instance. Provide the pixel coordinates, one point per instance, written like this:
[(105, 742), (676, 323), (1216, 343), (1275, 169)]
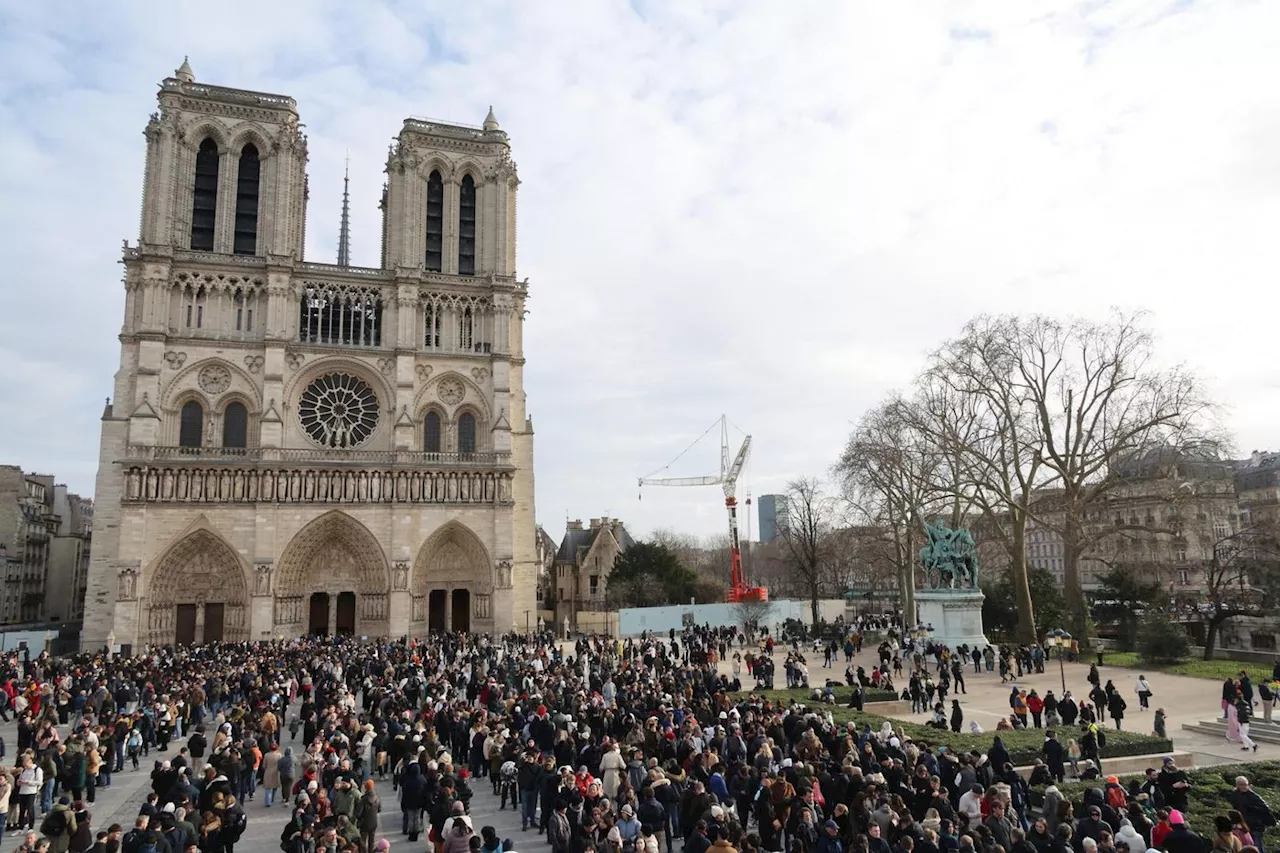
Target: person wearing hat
[(1180, 838), (1090, 826), (366, 814), (628, 826)]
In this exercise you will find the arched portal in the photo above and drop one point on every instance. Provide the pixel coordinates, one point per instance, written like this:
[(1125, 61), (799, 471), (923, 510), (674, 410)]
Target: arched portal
[(452, 583), (197, 593), (332, 578)]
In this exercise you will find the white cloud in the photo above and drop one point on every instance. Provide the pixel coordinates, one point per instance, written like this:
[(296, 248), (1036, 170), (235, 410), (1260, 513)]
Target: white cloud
[(768, 209)]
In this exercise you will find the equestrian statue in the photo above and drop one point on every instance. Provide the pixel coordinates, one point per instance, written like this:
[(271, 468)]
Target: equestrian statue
[(949, 559)]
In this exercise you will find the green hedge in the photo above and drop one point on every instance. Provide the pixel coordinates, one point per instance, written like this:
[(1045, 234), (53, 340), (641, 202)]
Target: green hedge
[(1024, 745), (1207, 798), (805, 696)]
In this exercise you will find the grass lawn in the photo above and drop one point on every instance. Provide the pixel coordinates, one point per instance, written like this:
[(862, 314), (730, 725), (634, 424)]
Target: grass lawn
[(1209, 788), (1024, 746), (1217, 670)]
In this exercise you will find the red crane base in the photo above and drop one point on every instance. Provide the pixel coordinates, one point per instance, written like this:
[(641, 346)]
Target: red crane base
[(747, 593)]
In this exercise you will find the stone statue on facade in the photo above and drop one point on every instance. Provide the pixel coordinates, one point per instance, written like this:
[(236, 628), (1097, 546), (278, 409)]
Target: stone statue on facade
[(263, 580), (949, 558), (128, 585)]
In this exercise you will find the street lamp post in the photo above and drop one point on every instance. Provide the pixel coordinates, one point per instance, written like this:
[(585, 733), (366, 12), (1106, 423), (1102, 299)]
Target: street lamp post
[(1061, 639)]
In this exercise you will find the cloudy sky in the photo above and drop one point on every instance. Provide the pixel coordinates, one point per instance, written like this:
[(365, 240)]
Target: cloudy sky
[(767, 209)]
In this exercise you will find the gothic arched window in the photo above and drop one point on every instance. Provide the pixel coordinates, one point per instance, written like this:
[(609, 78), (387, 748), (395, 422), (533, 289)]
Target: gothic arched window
[(467, 227), (204, 201), (235, 426), (246, 237), (467, 433), (431, 433), (191, 425), (435, 222)]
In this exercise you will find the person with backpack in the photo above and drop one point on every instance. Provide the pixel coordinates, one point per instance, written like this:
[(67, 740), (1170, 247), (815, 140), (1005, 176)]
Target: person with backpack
[(143, 838), (58, 826)]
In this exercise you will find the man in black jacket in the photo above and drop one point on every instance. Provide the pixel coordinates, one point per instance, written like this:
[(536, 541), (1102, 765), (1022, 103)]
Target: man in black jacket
[(1257, 814), (1089, 826), (197, 745)]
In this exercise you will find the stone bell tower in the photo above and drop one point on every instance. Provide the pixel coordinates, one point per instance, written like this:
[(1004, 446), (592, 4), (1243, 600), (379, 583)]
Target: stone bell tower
[(296, 447)]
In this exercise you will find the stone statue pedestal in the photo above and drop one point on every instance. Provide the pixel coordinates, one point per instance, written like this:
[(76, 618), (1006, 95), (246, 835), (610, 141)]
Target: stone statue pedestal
[(955, 614)]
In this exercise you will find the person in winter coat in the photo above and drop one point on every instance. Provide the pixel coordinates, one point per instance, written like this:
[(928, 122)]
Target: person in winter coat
[(1129, 835), (1116, 707), (367, 809), (59, 825), (412, 800), (344, 799), (457, 836), (612, 768), (271, 775), (1180, 838), (558, 829), (82, 838)]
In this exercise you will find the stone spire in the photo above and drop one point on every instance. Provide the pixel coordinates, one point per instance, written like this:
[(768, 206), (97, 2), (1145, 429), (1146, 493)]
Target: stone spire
[(491, 121), (344, 230), (184, 72)]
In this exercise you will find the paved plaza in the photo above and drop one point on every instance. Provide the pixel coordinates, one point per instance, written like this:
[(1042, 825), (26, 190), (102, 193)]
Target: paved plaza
[(1184, 699)]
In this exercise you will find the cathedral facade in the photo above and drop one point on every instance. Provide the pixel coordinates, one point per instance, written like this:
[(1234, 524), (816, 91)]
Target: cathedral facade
[(304, 448)]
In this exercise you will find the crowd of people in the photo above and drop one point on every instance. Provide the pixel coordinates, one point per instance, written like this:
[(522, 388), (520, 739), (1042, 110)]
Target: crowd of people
[(640, 745)]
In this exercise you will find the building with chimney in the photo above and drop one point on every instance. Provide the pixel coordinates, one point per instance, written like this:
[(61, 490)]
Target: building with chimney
[(44, 548), (581, 570)]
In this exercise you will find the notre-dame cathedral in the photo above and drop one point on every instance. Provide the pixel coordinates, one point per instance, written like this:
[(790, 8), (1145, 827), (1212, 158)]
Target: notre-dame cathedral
[(306, 448)]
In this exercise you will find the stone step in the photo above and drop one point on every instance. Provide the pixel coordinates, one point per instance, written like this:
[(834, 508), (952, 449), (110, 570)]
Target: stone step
[(1259, 731)]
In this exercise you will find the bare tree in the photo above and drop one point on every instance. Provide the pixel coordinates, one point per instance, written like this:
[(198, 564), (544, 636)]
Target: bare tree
[(749, 614), (1100, 400), (976, 407), (805, 537), (1241, 578), (890, 473)]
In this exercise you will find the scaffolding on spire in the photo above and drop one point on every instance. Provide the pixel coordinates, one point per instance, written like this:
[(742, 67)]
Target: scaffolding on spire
[(344, 230)]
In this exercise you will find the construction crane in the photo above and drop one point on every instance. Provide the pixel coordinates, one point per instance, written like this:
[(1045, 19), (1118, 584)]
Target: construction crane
[(730, 469)]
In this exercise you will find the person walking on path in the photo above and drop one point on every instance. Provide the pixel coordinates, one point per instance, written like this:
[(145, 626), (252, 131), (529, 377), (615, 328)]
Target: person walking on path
[(1244, 713), (1116, 705), (1143, 689)]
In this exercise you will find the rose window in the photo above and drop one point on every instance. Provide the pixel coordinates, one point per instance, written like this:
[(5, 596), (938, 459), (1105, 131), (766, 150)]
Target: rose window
[(338, 410)]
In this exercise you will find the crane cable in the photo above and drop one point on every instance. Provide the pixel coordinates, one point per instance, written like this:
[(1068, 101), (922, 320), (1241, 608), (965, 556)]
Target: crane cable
[(714, 424)]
